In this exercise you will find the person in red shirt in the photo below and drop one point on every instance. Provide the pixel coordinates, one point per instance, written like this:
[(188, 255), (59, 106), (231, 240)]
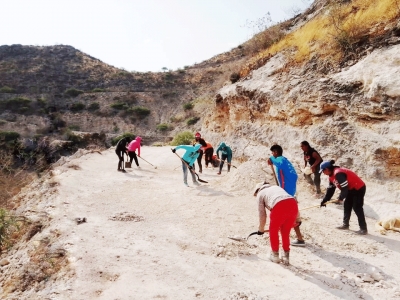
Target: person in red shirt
[(352, 191)]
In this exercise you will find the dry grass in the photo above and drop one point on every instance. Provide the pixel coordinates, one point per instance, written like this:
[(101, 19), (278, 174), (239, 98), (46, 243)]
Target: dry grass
[(332, 33)]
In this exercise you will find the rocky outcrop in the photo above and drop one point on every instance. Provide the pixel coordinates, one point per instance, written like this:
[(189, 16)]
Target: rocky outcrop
[(351, 115)]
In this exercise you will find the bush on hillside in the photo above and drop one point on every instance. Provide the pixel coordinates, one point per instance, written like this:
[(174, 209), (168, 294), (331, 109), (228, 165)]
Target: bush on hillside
[(140, 111), (78, 106), (98, 90), (192, 120), (188, 106), (163, 127), (8, 225), (115, 140), (73, 92), (93, 106), (9, 136), (183, 138), (7, 89), (16, 104), (119, 106)]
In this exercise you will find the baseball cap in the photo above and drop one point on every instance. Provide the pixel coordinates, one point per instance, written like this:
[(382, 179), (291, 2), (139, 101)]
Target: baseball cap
[(197, 134), (324, 165)]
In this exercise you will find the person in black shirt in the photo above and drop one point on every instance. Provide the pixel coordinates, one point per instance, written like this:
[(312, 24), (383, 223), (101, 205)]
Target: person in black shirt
[(120, 150), (312, 157)]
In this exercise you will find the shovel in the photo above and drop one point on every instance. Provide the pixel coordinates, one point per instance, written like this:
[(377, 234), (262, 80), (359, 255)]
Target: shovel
[(244, 239), (147, 162), (198, 178), (328, 202)]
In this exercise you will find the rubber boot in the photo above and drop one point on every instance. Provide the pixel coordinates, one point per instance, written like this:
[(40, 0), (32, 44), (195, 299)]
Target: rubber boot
[(285, 258), (274, 257)]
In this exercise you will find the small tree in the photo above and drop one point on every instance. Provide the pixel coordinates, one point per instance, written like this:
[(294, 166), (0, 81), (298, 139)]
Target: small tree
[(73, 92), (183, 138)]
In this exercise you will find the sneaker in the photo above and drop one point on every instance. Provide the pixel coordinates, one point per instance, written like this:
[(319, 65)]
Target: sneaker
[(285, 258), (362, 232), (196, 183), (185, 183), (274, 257), (298, 243), (219, 173), (123, 171), (318, 195), (343, 227)]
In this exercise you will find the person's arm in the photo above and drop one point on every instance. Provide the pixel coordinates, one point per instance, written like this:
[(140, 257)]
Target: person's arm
[(138, 151), (318, 160), (329, 193), (341, 178), (281, 179), (262, 214)]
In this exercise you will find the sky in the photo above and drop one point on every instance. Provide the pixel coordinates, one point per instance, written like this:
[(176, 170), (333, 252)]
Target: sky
[(141, 35)]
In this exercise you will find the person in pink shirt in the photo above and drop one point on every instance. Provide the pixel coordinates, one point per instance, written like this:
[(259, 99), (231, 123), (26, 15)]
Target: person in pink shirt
[(135, 144)]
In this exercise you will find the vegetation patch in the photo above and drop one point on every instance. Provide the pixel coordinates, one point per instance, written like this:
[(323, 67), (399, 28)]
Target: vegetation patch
[(192, 120), (8, 136), (72, 92), (98, 90), (183, 138), (119, 106), (115, 140), (140, 111), (163, 127), (7, 89), (18, 104), (93, 106), (78, 106), (188, 106)]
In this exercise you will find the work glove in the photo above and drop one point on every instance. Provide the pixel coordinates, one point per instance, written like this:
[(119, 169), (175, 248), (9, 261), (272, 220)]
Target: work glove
[(260, 232), (323, 203), (173, 150)]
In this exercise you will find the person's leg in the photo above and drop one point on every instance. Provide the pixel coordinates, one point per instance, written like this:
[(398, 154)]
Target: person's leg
[(185, 170), (221, 165), (274, 227), (347, 207), (193, 174), (130, 154), (208, 155), (135, 158), (308, 179), (120, 160), (358, 203), (290, 209), (317, 181), (199, 158), (229, 165)]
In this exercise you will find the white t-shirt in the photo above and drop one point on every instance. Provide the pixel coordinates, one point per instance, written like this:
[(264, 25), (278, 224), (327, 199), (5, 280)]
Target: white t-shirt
[(268, 197)]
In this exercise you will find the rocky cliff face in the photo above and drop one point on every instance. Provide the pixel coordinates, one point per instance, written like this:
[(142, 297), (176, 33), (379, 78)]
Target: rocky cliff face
[(351, 115)]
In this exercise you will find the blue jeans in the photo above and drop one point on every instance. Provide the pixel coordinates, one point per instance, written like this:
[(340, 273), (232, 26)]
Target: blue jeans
[(185, 173)]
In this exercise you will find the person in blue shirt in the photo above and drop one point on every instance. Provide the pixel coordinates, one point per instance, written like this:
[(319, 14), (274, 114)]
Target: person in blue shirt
[(226, 154), (188, 159), (287, 178)]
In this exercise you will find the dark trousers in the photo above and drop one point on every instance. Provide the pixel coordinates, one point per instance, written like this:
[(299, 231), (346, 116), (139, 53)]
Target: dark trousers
[(208, 155), (120, 155), (132, 156), (355, 201), (316, 181), (221, 164), (199, 160)]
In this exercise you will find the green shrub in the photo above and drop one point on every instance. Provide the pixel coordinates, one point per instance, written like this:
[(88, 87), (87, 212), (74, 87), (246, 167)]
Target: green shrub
[(73, 92), (8, 136), (183, 138), (78, 106), (6, 89), (162, 127), (15, 104), (2, 122), (93, 106), (8, 224), (192, 120), (139, 111), (119, 106), (72, 137), (98, 90), (188, 106), (115, 140)]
